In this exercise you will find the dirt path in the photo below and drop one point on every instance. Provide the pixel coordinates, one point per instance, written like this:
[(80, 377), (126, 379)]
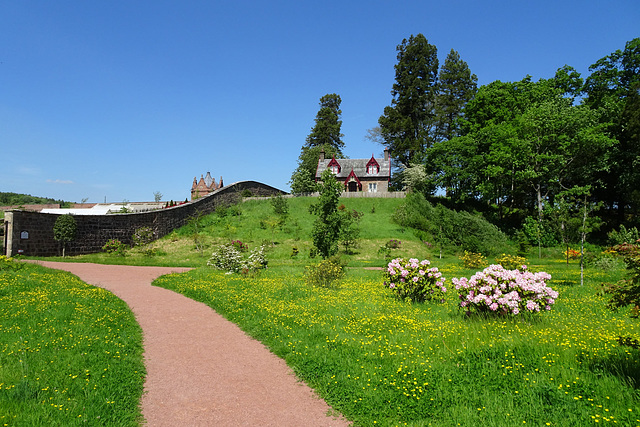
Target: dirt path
[(202, 370)]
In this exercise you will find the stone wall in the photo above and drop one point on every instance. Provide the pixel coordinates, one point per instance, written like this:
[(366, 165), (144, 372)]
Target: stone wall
[(31, 233)]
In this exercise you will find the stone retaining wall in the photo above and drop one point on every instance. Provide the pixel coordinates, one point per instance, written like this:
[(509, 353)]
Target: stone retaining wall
[(31, 233)]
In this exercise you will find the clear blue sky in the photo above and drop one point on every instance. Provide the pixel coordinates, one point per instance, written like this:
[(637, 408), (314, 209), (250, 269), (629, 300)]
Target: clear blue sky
[(118, 99)]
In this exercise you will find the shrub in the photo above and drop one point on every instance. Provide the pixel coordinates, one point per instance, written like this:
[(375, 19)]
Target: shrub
[(571, 254), (349, 228), (470, 232), (241, 247), (603, 261), (294, 252), (226, 258), (623, 235), (385, 252), (143, 236), (115, 247), (280, 206), (229, 259), (257, 259), (627, 291), (326, 274), (414, 281), (393, 244), (502, 291), (9, 264), (511, 262), (473, 260)]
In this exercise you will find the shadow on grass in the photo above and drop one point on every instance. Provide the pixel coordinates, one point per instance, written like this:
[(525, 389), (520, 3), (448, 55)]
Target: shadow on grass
[(563, 282), (624, 364)]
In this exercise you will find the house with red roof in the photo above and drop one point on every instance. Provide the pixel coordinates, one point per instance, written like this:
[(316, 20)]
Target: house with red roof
[(358, 175)]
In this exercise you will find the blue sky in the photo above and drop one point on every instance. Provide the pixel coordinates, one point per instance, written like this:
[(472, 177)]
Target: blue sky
[(115, 100)]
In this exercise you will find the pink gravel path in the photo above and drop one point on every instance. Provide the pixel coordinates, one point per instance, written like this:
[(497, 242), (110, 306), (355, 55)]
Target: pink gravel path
[(202, 370)]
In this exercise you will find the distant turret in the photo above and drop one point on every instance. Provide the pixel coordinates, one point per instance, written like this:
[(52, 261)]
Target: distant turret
[(206, 185)]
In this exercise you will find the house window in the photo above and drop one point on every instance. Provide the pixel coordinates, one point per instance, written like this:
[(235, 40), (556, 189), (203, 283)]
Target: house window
[(334, 170), (373, 187), (372, 169)]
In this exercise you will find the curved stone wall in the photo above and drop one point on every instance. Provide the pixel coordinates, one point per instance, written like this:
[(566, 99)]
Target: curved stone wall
[(31, 233)]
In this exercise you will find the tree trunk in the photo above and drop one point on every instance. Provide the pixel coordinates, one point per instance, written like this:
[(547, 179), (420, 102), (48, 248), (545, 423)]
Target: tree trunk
[(584, 236), (539, 196)]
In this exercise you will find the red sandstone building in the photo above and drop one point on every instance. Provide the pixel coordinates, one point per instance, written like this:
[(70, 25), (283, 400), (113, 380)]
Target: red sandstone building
[(206, 185)]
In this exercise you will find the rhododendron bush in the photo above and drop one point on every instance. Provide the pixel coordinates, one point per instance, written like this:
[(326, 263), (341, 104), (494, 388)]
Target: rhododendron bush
[(413, 280), (496, 289)]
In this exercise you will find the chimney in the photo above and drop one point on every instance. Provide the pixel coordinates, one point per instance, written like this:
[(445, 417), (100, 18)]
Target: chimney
[(322, 156), (386, 154)]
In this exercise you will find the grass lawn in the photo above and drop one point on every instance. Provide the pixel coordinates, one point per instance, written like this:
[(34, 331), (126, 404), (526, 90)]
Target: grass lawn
[(384, 362), (70, 353), (380, 361)]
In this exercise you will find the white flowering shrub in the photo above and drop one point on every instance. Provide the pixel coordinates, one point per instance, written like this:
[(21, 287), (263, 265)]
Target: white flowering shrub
[(257, 259), (496, 289), (228, 258)]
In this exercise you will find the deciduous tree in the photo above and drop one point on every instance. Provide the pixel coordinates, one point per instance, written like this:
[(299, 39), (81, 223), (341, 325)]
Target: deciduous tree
[(613, 87), (327, 226), (65, 230)]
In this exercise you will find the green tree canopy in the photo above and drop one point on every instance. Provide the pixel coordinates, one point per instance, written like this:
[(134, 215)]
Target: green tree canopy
[(524, 143), (613, 88), (65, 230), (328, 225)]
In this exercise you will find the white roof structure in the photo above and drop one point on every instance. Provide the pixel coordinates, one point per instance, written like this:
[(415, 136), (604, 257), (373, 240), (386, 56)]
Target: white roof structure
[(99, 209)]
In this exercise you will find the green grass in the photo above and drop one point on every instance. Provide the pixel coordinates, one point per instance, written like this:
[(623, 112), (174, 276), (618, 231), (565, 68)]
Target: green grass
[(383, 362), (253, 226), (70, 353)]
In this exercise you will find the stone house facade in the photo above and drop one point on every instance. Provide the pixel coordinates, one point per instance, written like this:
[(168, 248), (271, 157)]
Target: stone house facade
[(206, 185), (359, 175)]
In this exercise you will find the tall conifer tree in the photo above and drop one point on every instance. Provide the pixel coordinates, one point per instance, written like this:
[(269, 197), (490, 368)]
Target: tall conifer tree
[(408, 124), (328, 124), (325, 137), (456, 86)]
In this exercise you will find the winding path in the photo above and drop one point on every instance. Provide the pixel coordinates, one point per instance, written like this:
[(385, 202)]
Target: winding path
[(202, 370)]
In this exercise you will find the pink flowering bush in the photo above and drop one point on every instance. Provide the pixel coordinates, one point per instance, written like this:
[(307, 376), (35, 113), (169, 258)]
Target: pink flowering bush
[(413, 280), (496, 289)]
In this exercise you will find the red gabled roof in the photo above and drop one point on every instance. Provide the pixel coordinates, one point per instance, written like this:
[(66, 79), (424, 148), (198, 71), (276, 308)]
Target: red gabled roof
[(353, 174), (334, 162), (373, 161)]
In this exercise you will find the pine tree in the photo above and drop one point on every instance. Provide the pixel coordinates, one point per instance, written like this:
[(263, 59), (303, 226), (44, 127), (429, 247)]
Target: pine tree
[(327, 128), (408, 124), (324, 137), (456, 87)]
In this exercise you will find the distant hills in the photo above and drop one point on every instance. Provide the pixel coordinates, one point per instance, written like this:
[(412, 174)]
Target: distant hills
[(12, 199)]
